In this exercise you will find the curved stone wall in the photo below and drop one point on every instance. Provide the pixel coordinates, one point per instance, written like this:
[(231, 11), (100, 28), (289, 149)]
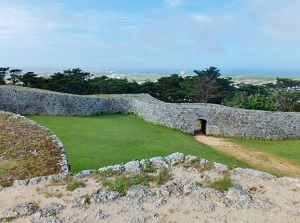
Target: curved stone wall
[(221, 120)]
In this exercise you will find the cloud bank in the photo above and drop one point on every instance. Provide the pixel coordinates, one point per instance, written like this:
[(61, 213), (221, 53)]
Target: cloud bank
[(162, 34)]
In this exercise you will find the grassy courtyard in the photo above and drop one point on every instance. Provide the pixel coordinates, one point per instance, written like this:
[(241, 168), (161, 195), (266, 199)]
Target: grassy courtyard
[(286, 149), (96, 141)]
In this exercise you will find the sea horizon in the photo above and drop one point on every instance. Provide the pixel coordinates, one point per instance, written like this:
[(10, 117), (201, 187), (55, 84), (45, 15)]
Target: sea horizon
[(166, 71)]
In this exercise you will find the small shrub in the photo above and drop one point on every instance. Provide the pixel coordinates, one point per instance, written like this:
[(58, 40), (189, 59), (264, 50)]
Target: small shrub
[(36, 206), (222, 185), (8, 115), (206, 166), (171, 210), (8, 219), (148, 168), (48, 194), (175, 163), (98, 113), (232, 166), (123, 183), (6, 183), (199, 166), (75, 184), (58, 194), (163, 177), (53, 213), (253, 190), (197, 160), (107, 173), (61, 181), (87, 199), (153, 193), (199, 183), (104, 175)]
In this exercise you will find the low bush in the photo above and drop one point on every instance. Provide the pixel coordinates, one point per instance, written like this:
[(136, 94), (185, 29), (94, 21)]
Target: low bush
[(223, 184), (75, 184), (163, 177), (148, 168), (122, 184)]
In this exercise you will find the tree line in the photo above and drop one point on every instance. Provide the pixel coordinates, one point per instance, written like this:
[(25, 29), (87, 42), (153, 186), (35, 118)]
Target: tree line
[(206, 86)]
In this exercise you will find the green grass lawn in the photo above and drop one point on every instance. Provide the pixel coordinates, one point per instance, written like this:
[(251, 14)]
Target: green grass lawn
[(96, 141), (286, 149)]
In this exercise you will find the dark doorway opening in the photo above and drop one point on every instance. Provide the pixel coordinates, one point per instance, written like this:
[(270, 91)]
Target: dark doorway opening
[(200, 127)]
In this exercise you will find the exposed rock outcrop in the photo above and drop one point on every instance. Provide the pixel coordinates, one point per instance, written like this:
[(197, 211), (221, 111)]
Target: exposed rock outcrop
[(254, 197)]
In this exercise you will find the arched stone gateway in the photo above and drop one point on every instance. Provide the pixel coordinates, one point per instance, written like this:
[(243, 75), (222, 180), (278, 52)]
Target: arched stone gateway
[(200, 127), (216, 119)]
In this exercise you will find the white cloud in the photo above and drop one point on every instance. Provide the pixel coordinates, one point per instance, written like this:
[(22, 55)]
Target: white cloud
[(203, 19), (278, 19), (49, 24), (174, 3), (158, 35)]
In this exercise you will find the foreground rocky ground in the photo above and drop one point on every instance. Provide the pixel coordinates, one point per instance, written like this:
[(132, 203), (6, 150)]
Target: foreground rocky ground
[(188, 196)]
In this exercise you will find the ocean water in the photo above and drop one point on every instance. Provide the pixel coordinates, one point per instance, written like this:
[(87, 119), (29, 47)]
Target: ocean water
[(236, 72)]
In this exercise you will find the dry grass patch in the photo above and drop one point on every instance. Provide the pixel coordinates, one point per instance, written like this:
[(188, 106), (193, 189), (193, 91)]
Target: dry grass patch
[(201, 167), (26, 150)]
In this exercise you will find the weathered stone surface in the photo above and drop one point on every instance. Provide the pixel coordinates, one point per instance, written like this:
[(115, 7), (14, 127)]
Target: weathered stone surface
[(188, 188), (58, 176), (190, 158), (84, 173), (263, 203), (255, 173), (171, 189), (144, 163), (239, 197), (203, 201), (137, 193), (20, 210), (51, 209), (159, 162), (297, 206), (117, 167), (21, 182), (32, 181), (220, 166), (140, 219), (175, 158), (102, 216), (221, 120), (203, 161), (208, 193), (133, 167), (80, 201), (37, 180), (104, 196)]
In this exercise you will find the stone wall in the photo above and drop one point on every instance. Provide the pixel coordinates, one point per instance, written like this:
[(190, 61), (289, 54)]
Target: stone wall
[(221, 120)]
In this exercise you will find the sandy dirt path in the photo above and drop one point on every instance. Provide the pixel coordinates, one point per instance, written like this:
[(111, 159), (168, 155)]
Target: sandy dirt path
[(264, 161)]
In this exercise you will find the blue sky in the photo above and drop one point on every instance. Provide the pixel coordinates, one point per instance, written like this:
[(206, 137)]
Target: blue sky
[(158, 34)]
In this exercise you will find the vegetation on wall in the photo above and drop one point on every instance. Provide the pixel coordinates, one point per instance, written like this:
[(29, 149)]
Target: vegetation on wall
[(206, 86)]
